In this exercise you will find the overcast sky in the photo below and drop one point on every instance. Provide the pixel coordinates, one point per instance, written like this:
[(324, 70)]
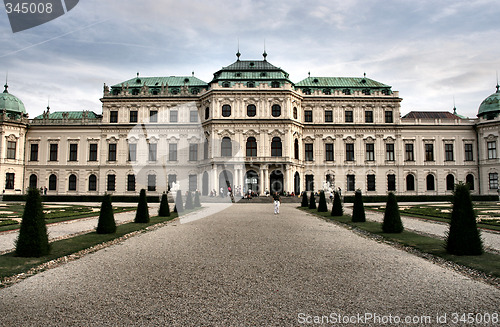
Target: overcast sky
[(430, 51)]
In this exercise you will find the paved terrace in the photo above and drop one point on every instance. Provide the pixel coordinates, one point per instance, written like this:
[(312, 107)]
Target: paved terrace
[(244, 266)]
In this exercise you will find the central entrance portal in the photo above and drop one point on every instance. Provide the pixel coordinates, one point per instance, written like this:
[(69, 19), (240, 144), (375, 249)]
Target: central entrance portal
[(276, 181), (252, 181)]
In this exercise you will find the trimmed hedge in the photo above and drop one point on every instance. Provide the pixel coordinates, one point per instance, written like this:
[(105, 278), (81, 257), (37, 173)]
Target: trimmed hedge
[(82, 198)]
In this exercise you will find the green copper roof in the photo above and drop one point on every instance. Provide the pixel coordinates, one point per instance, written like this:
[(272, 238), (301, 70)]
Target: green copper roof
[(347, 82), (172, 81), (11, 103), (491, 104), (71, 115), (251, 70)]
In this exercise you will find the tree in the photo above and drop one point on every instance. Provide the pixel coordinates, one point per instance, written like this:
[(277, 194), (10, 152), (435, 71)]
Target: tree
[(392, 220), (197, 203), (106, 223), (189, 202), (322, 202), (305, 200), (312, 201), (358, 211), (33, 240), (164, 210), (463, 237), (142, 214), (178, 202), (337, 209)]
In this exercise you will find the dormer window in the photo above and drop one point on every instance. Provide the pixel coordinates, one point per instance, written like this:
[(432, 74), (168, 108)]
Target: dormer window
[(135, 91), (366, 91), (226, 84), (263, 74), (346, 91), (251, 84), (327, 91), (238, 74), (275, 84)]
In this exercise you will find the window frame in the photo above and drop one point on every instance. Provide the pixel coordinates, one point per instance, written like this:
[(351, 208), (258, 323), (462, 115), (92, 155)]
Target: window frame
[(429, 151), (193, 152), (113, 116), (92, 187), (389, 116), (329, 152), (492, 149), (308, 116), (390, 152), (349, 152), (309, 151), (11, 150), (112, 149), (111, 183), (276, 147), (73, 152), (493, 181), (226, 110), (349, 116), (34, 151), (93, 152), (133, 116), (276, 110), (409, 152), (370, 151), (153, 116), (371, 183), (468, 152), (251, 147), (328, 116), (172, 152), (368, 116), (251, 110), (448, 152), (53, 151), (10, 181)]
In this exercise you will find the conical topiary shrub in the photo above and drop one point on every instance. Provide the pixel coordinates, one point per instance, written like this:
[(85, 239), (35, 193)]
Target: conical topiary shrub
[(337, 209), (312, 201), (33, 240), (322, 202), (142, 214), (178, 202), (305, 200), (164, 210), (106, 223), (358, 211), (463, 237), (189, 202), (197, 203), (392, 220)]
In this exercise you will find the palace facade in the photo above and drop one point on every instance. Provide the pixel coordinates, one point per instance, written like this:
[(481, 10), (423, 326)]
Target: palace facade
[(250, 128)]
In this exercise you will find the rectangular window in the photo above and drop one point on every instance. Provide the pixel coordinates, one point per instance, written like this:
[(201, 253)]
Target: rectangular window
[(73, 152), (173, 116), (448, 151), (153, 116), (389, 151), (193, 116), (409, 156), (493, 181), (130, 183), (349, 152), (53, 152), (388, 117), (172, 152), (111, 182), (112, 152), (11, 149), (370, 152), (469, 155), (429, 152), (370, 182), (193, 152), (391, 182), (351, 182), (152, 151), (205, 149), (329, 151), (309, 182), (9, 181), (308, 116), (34, 152), (328, 116), (152, 183), (133, 116), (93, 152), (368, 116), (113, 116), (132, 152), (193, 183), (349, 118), (492, 150), (309, 152)]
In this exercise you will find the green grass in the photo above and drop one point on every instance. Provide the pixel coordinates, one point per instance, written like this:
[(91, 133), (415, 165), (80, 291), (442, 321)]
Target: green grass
[(11, 265), (488, 263)]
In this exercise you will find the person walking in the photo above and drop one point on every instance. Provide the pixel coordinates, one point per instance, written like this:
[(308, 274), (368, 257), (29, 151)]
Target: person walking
[(277, 202)]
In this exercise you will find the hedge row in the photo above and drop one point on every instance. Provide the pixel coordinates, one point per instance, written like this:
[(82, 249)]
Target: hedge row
[(82, 198), (418, 198)]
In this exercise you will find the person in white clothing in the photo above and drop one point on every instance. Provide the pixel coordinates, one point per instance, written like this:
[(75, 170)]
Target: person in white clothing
[(277, 202)]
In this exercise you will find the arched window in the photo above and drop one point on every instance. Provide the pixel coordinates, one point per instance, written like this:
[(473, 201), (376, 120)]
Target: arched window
[(410, 182), (295, 114), (296, 149), (251, 110), (72, 183), (450, 182), (430, 182), (52, 182), (276, 147), (226, 110), (92, 183), (469, 180), (226, 147), (251, 147), (207, 112), (33, 181), (276, 110)]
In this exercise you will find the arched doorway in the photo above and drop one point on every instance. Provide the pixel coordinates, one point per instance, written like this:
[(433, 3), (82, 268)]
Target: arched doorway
[(204, 186), (276, 181), (251, 181), (296, 183), (225, 180), (33, 181)]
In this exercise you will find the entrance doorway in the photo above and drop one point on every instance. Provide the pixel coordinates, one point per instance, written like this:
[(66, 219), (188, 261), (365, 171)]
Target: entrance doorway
[(225, 180), (252, 181), (296, 183), (276, 181)]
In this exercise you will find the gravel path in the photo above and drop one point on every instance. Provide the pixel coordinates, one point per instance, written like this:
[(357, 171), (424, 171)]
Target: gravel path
[(243, 267)]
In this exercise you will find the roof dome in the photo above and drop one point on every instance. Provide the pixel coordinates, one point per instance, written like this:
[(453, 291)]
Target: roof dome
[(491, 104)]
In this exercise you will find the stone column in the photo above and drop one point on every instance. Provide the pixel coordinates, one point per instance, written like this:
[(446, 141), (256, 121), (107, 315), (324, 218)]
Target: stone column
[(215, 181)]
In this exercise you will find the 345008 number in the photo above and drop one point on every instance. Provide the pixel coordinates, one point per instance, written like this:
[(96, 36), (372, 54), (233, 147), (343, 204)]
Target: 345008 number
[(29, 8)]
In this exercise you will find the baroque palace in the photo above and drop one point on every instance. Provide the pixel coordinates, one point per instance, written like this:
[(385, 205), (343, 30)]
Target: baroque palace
[(253, 129)]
